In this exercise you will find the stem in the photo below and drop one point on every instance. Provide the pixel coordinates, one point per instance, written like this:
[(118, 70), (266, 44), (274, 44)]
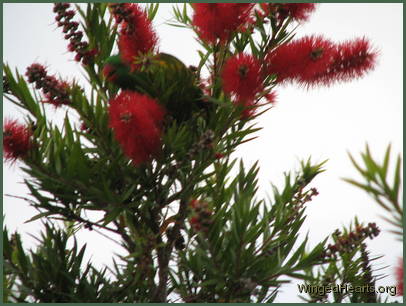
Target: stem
[(80, 219), (214, 73), (165, 252), (73, 216), (218, 61)]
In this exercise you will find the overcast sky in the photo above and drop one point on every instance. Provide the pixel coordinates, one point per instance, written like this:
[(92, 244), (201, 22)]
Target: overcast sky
[(323, 123)]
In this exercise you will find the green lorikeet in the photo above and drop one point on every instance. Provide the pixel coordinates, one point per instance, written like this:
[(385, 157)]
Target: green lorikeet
[(163, 77)]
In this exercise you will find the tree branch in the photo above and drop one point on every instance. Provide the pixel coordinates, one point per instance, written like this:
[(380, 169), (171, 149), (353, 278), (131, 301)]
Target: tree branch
[(164, 254)]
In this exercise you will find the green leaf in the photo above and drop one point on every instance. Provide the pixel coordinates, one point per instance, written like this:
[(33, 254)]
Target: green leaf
[(128, 193), (112, 215), (363, 173), (384, 169), (20, 257), (39, 216), (397, 179), (68, 130), (367, 188), (298, 253), (152, 9)]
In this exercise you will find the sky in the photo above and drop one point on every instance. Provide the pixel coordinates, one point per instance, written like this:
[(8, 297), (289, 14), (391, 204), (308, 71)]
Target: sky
[(324, 123)]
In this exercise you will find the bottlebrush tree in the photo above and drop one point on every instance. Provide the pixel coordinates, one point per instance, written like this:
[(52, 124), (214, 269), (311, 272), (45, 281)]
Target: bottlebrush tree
[(153, 153)]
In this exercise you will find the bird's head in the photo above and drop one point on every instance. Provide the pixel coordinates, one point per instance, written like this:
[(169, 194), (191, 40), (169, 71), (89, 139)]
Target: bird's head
[(114, 67)]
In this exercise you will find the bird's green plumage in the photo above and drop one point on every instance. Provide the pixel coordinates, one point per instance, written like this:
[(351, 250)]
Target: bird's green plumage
[(163, 77)]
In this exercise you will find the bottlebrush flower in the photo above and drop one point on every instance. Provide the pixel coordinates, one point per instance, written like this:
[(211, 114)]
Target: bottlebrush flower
[(217, 21), (64, 19), (55, 92), (136, 120), (301, 59), (137, 36), (399, 277), (241, 76), (16, 140), (350, 60), (297, 11)]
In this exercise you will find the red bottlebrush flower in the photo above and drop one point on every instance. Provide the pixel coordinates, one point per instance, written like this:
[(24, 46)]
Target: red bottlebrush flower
[(136, 120), (399, 277), (217, 21), (297, 11), (137, 36), (350, 60), (241, 76), (301, 59), (16, 140), (55, 92)]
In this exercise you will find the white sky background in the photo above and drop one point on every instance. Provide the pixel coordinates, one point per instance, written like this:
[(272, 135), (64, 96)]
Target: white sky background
[(323, 123)]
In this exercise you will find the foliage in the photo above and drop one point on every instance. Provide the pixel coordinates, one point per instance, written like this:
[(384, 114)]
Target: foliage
[(378, 186), (53, 272), (350, 261)]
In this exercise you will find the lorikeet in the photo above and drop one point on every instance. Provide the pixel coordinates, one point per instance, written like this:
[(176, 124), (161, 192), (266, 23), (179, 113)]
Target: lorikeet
[(163, 77)]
